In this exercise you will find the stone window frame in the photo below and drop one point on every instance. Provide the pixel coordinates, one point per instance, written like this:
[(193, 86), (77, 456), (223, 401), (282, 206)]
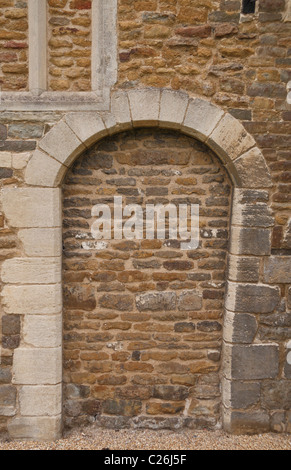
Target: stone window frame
[(103, 64), (32, 285)]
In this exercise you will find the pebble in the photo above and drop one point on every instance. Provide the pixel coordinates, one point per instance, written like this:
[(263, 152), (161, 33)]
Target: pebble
[(92, 438)]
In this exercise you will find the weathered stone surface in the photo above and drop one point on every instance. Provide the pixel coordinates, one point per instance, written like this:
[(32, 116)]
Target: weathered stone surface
[(31, 271), (244, 269), (157, 301), (277, 270), (239, 327), (33, 299), (35, 428), (7, 396), (42, 170), (255, 362), (37, 366), (248, 298), (79, 297), (189, 300), (240, 395), (42, 400), (41, 242), (201, 118), (276, 395), (243, 170), (170, 392), (43, 331), (248, 422), (122, 407), (32, 207), (250, 241)]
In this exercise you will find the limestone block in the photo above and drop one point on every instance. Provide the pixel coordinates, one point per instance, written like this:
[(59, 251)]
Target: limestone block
[(240, 395), (173, 108), (42, 242), (31, 271), (250, 241), (32, 207), (247, 422), (230, 139), (144, 106), (44, 400), (88, 126), (244, 166), (252, 215), (35, 428), (251, 362), (43, 170), (243, 268), (252, 298), (33, 299), (20, 160), (37, 366), (5, 160), (62, 144), (277, 270), (239, 327), (201, 118), (120, 111), (42, 331)]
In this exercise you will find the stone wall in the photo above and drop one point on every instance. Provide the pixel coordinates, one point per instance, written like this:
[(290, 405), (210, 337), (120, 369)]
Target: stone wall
[(13, 46), (238, 63), (143, 318), (69, 45)]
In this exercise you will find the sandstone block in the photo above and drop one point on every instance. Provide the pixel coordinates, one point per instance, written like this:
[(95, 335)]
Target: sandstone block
[(243, 269), (42, 242), (42, 170), (254, 362), (240, 395), (250, 298), (35, 428), (239, 327), (243, 169), (144, 105), (42, 331), (230, 139), (88, 127), (32, 299), (61, 132), (173, 108), (37, 366), (31, 271), (277, 270), (250, 241), (32, 207), (44, 400), (156, 301), (201, 118)]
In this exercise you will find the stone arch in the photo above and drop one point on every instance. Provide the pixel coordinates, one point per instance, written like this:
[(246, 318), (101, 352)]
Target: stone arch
[(150, 107), (34, 290)]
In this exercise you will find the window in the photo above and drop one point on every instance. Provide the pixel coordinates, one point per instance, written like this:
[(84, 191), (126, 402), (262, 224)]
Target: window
[(249, 6)]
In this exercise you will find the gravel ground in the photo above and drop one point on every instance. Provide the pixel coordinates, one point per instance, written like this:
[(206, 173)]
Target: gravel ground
[(98, 439)]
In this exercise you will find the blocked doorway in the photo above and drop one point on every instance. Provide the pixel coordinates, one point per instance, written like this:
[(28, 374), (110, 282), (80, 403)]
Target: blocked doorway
[(143, 318)]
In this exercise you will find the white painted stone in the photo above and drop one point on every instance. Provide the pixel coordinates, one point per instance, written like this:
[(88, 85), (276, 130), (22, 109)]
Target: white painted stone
[(35, 428), (41, 242), (173, 108), (32, 207), (32, 299), (62, 143), (201, 118), (42, 331), (31, 271), (230, 139), (88, 127), (43, 170), (144, 106), (37, 366), (5, 159), (43, 400)]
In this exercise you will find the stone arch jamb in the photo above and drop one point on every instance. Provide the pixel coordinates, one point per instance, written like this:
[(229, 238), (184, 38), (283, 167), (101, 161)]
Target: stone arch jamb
[(32, 284)]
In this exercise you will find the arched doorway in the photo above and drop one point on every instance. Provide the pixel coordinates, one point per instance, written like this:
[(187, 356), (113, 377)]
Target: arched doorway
[(35, 210)]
